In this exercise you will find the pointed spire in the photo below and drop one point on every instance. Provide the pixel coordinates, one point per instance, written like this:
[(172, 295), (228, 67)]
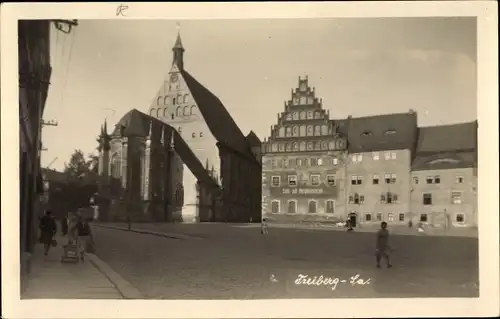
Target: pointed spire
[(105, 127), (162, 138), (102, 131), (150, 131), (172, 144), (178, 50)]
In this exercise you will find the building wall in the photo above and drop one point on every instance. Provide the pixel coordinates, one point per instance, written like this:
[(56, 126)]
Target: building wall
[(443, 211), (371, 207), (175, 106), (240, 197), (294, 200)]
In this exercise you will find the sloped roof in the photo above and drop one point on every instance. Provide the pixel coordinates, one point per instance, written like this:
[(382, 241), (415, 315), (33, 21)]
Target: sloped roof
[(218, 119), (137, 124), (443, 138), (253, 140), (382, 132), (444, 160)]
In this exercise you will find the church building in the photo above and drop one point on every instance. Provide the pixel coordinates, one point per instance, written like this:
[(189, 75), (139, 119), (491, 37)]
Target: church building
[(227, 161)]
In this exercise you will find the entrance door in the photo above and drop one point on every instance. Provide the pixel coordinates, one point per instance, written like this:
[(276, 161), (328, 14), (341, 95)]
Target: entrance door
[(353, 219), (292, 207)]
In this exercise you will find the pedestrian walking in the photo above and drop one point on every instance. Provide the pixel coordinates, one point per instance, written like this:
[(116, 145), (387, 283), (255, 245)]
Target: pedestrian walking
[(83, 233), (48, 229), (383, 248), (263, 227)]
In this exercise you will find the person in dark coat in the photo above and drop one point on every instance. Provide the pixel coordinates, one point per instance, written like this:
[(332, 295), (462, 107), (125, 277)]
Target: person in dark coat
[(48, 229), (383, 248), (64, 225)]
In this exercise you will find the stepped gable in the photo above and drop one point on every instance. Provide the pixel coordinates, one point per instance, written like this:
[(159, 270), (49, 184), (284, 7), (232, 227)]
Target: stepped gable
[(218, 119), (382, 132), (136, 124), (253, 140)]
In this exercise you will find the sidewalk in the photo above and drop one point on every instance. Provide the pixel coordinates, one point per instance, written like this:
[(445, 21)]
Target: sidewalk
[(91, 279), (147, 231)]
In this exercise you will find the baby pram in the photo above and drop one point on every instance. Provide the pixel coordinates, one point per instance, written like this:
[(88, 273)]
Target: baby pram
[(70, 252)]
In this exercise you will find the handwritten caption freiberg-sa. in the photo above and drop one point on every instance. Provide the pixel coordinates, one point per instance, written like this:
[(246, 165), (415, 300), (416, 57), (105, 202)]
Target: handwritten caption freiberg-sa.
[(333, 282)]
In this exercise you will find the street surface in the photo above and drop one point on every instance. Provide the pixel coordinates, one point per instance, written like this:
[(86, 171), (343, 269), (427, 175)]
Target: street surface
[(223, 261)]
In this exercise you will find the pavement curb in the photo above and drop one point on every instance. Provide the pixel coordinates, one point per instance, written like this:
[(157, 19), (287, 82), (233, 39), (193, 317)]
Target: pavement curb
[(123, 286), (148, 232)]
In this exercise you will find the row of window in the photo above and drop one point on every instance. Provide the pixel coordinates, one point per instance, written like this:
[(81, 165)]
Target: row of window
[(338, 144), (295, 116), (437, 179), (303, 130), (357, 158), (456, 198), (314, 180), (180, 111), (385, 198), (389, 178), (302, 162), (175, 100), (424, 218), (303, 100), (312, 206)]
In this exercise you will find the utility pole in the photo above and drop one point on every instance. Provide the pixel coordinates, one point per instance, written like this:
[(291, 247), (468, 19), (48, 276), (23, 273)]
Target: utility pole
[(44, 123)]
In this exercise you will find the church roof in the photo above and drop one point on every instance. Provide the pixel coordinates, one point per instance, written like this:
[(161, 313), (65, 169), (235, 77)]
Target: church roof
[(382, 132), (218, 119), (253, 140), (442, 138), (138, 124)]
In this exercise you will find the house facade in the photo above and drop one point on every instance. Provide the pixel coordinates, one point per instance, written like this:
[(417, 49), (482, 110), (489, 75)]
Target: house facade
[(304, 161), (444, 176), (381, 149), (367, 169)]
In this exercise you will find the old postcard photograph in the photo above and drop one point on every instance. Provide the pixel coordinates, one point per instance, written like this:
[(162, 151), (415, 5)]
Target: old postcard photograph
[(250, 160)]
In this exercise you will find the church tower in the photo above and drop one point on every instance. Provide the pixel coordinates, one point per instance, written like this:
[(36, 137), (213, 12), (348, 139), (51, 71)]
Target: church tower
[(178, 49)]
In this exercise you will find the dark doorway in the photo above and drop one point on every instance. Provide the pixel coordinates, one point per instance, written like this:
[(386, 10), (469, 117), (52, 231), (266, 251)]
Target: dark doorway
[(353, 220)]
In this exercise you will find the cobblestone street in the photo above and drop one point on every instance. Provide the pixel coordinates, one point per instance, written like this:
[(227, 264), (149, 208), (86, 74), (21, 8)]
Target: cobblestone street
[(216, 261)]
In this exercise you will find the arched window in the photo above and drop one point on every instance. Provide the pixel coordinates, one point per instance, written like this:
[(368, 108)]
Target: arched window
[(317, 130), (287, 147), (193, 135), (179, 98), (295, 131), (317, 114), (288, 131), (295, 146), (186, 98), (115, 166), (288, 117), (186, 111), (295, 116), (179, 195), (165, 112), (310, 130), (152, 112), (165, 100), (201, 134), (193, 110), (302, 115), (173, 101), (310, 115), (317, 146), (158, 100), (158, 112), (281, 132), (178, 111)]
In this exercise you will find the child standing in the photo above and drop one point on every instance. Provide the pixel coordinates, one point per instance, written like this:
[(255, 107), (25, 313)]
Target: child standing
[(263, 227)]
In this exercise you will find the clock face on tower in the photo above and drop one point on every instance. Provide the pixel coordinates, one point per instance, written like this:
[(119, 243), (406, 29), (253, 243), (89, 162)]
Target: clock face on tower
[(174, 77)]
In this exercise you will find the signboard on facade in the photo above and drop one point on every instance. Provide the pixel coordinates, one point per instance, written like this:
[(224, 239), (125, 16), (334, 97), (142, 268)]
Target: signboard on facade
[(303, 191)]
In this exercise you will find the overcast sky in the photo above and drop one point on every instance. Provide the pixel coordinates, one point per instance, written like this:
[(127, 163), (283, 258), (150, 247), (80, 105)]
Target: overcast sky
[(359, 67)]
